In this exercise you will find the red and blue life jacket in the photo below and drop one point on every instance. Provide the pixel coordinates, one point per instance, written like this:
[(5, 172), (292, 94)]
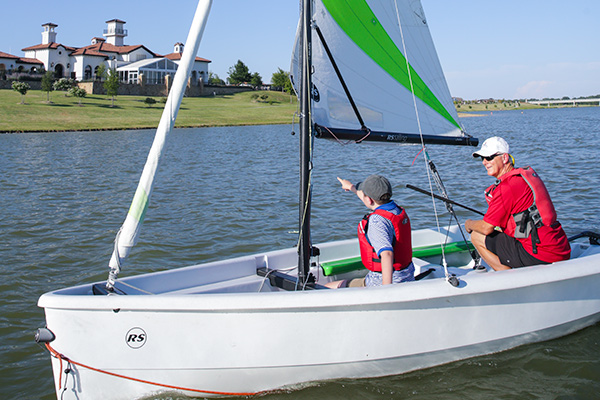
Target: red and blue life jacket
[(402, 243)]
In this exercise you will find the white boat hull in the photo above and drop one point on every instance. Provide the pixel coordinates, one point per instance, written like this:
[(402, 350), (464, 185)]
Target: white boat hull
[(226, 337)]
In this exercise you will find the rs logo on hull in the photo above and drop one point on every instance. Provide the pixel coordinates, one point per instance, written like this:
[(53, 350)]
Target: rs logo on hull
[(136, 338)]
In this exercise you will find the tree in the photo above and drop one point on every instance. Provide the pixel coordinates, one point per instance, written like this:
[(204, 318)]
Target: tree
[(281, 81), (64, 84), (256, 79), (78, 92), (239, 73), (47, 84), (213, 79), (112, 85), (22, 88), (101, 72)]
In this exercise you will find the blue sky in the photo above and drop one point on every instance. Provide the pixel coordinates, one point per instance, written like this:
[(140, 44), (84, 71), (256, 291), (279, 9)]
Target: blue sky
[(508, 49)]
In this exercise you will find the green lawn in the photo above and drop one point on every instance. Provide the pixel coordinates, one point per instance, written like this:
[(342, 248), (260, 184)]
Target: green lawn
[(130, 112)]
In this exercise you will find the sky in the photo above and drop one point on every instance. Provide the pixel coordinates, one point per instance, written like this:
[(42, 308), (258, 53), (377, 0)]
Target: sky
[(508, 49)]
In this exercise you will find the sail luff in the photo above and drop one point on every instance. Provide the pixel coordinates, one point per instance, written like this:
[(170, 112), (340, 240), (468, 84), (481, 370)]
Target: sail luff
[(129, 232)]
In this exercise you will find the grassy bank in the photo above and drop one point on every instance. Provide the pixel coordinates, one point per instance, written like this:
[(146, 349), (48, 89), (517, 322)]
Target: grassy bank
[(491, 107), (130, 112)]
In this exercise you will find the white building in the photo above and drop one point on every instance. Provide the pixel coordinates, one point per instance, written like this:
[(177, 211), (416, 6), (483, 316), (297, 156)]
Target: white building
[(10, 63), (82, 63)]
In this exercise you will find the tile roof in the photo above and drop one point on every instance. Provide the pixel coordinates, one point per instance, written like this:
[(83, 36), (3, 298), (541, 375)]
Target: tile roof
[(102, 48), (6, 55), (177, 56), (88, 52), (24, 60), (21, 60), (52, 45)]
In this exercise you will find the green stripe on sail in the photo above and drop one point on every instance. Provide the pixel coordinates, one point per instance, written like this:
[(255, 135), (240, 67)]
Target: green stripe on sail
[(358, 21), (139, 205)]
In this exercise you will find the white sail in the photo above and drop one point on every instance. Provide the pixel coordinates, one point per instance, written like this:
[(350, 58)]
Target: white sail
[(129, 232), (368, 41)]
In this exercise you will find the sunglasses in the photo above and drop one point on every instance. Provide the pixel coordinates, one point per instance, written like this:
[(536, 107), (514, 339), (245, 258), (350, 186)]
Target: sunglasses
[(489, 158)]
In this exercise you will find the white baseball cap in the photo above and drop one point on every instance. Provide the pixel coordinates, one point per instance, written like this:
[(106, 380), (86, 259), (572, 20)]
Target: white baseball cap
[(493, 145)]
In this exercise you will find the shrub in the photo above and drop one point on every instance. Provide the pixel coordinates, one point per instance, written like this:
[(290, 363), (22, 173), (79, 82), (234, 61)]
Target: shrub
[(22, 88), (149, 101), (64, 84), (78, 92)]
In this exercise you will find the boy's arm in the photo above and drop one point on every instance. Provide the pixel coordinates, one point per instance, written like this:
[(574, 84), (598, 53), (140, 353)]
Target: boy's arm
[(387, 266)]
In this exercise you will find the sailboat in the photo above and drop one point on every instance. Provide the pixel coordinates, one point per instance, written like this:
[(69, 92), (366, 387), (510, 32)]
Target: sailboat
[(365, 70)]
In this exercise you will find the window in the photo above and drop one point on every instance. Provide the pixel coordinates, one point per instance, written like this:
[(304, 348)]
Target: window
[(87, 74)]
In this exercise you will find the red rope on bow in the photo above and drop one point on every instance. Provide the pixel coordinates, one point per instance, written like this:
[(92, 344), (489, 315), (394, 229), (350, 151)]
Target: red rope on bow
[(61, 357)]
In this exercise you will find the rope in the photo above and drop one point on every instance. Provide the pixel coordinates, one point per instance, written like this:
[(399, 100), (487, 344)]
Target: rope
[(135, 287), (62, 357), (348, 141), (423, 149)]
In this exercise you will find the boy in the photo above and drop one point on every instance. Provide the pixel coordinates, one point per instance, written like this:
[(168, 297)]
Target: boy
[(384, 236)]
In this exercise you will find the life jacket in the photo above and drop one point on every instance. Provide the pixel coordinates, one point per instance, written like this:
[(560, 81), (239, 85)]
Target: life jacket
[(401, 243), (540, 213)]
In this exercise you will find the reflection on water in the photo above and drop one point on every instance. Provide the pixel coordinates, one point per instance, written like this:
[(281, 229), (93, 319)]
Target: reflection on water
[(223, 192)]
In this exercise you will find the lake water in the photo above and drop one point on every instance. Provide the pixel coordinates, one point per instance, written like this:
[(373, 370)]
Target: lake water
[(224, 192)]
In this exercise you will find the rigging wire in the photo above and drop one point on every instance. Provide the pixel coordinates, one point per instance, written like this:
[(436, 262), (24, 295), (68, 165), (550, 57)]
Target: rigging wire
[(423, 148)]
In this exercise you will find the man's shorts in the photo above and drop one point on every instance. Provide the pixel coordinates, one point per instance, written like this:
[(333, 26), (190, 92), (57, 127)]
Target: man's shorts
[(509, 250)]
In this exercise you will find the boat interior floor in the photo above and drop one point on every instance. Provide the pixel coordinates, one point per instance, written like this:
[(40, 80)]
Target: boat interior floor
[(254, 278)]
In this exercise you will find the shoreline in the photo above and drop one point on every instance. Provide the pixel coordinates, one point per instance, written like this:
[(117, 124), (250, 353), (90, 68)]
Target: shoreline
[(139, 128), (95, 114)]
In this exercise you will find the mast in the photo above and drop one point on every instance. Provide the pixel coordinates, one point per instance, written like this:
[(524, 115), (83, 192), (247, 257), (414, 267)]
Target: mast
[(304, 245)]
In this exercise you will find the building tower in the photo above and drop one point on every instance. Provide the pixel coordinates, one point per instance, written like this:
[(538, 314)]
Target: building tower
[(115, 33), (49, 35)]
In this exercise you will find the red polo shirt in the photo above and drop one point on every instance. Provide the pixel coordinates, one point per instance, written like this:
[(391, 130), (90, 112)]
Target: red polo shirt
[(512, 196)]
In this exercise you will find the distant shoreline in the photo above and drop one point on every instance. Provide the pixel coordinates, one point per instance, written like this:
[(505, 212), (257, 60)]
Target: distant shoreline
[(63, 114)]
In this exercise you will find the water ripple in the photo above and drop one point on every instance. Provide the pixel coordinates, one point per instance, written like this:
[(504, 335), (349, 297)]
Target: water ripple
[(223, 192)]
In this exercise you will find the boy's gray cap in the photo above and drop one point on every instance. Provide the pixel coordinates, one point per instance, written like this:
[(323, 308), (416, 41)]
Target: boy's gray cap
[(375, 186)]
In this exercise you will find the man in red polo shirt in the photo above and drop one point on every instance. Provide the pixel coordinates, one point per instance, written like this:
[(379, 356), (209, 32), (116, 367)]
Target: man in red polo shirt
[(520, 227)]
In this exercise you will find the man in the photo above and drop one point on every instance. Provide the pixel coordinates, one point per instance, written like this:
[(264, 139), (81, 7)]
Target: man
[(520, 227), (384, 236)]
